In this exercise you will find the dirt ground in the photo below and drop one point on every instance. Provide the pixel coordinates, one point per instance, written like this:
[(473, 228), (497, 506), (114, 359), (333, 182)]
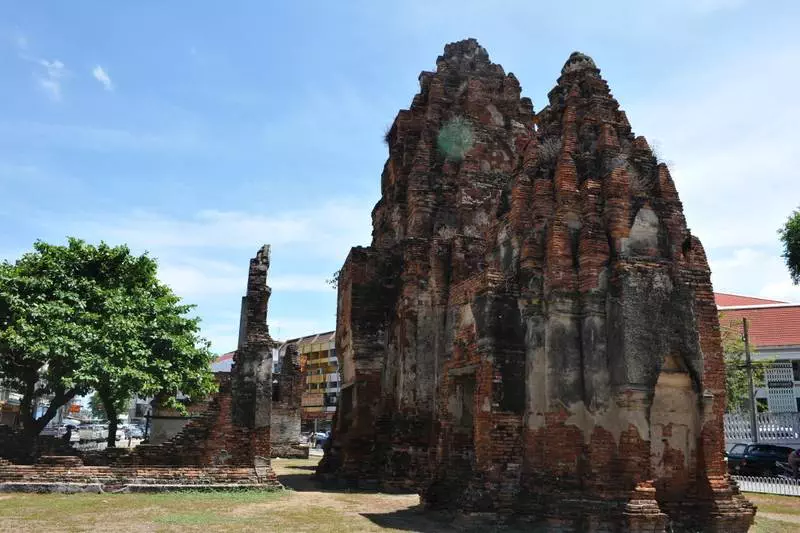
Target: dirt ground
[(304, 508)]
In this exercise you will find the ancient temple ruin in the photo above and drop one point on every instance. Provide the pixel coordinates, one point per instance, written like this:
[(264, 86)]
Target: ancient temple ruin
[(228, 446), (287, 392), (533, 329)]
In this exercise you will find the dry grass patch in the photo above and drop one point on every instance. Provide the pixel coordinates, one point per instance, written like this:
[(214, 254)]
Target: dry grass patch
[(306, 509)]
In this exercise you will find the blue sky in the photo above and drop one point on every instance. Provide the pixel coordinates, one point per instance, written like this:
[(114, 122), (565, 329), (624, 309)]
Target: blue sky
[(201, 131)]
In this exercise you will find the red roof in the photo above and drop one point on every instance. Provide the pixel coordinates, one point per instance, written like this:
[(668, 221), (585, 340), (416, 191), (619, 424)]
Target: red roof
[(224, 357), (768, 325), (727, 300)]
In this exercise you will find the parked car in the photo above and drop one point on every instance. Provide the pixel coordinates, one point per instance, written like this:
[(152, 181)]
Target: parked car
[(93, 432), (756, 459), (320, 438), (50, 430)]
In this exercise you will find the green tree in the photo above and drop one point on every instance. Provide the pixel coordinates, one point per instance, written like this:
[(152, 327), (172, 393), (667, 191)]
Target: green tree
[(790, 237), (98, 410), (80, 317), (736, 380)]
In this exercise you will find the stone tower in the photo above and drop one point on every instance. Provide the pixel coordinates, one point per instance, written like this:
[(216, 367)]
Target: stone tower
[(533, 330), (251, 375)]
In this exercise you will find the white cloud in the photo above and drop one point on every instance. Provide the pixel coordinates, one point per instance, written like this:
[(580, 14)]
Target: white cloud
[(194, 278), (192, 281), (21, 42), (9, 171), (782, 290), (329, 229), (47, 73), (102, 76), (304, 283), (753, 272), (100, 139), (711, 6), (50, 78)]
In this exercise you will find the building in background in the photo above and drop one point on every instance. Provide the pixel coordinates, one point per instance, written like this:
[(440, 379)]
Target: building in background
[(774, 331), (320, 369), (9, 406)]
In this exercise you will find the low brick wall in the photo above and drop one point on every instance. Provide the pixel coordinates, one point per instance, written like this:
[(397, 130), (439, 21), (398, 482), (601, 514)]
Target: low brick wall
[(289, 451), (69, 478), (13, 448)]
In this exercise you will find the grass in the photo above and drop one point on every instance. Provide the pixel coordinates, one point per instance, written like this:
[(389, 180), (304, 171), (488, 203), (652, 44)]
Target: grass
[(776, 514), (130, 512), (306, 509)]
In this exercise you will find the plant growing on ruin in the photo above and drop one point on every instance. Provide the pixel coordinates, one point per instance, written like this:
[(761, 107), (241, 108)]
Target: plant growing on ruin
[(333, 281), (455, 138), (549, 149), (790, 237), (81, 317)]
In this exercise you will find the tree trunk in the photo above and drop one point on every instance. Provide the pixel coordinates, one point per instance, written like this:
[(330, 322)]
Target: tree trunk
[(32, 426), (26, 413), (111, 413)]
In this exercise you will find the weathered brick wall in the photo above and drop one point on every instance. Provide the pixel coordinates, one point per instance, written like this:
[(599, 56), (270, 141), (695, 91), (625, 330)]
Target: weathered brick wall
[(14, 448), (533, 328), (211, 439), (287, 392)]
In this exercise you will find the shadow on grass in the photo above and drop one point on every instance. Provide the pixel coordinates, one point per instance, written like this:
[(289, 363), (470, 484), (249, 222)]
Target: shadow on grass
[(412, 519), (308, 483)]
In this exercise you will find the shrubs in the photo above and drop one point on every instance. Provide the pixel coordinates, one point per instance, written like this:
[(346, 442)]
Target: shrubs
[(549, 149)]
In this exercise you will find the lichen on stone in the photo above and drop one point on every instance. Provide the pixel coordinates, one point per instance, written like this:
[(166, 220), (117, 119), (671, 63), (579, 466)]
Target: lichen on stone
[(455, 138)]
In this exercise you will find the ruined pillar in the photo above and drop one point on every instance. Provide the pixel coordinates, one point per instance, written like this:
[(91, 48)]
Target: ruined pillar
[(287, 392), (251, 375)]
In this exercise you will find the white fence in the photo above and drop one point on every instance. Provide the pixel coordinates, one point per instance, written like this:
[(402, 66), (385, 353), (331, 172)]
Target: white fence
[(769, 485), (772, 427)]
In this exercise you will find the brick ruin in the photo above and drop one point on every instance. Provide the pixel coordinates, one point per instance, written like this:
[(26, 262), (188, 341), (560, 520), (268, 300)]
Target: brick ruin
[(532, 331), (228, 446), (287, 392)]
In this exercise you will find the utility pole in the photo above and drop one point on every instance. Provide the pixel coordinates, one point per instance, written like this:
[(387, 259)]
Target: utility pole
[(751, 389)]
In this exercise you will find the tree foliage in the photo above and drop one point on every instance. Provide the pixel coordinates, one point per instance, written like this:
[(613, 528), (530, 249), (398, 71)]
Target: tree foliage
[(81, 317), (98, 410), (790, 237), (736, 380)]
